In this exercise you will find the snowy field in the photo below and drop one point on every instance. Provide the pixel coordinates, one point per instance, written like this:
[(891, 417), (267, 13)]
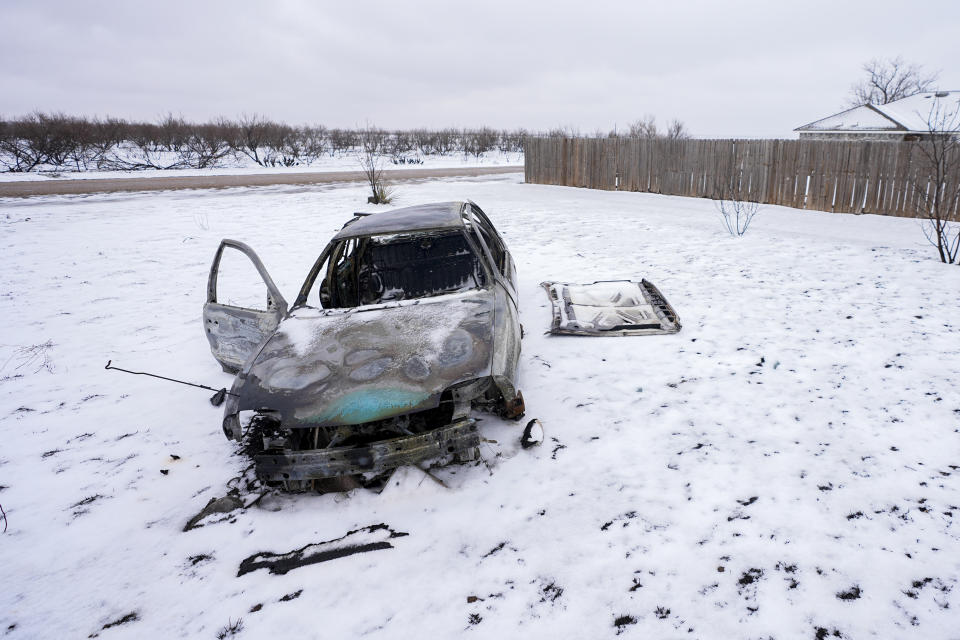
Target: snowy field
[(786, 466), (244, 166)]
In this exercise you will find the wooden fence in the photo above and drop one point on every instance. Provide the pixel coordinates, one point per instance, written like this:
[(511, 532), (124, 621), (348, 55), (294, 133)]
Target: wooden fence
[(886, 178)]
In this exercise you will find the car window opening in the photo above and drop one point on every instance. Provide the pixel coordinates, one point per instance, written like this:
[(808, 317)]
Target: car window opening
[(389, 268)]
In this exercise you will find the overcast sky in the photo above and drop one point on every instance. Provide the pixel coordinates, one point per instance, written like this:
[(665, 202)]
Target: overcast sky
[(749, 68)]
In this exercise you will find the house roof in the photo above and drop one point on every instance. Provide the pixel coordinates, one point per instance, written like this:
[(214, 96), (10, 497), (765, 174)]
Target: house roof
[(905, 115), (440, 215)]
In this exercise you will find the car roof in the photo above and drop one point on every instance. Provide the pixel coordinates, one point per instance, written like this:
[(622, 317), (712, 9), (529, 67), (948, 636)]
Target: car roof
[(422, 217)]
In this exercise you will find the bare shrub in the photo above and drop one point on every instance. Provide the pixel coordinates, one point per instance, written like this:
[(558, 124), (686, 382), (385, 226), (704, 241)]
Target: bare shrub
[(34, 356), (384, 193), (736, 211), (938, 160), (232, 629), (371, 163)]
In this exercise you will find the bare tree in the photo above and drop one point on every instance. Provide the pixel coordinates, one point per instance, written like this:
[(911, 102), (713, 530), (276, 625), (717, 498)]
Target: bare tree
[(890, 79), (401, 146), (511, 141), (314, 141), (938, 181), (36, 140), (208, 144), (568, 131), (644, 128), (251, 137), (479, 141), (342, 140), (446, 141), (676, 131), (163, 145)]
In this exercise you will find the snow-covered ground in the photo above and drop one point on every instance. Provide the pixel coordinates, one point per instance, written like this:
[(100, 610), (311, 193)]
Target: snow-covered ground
[(786, 466), (242, 165)]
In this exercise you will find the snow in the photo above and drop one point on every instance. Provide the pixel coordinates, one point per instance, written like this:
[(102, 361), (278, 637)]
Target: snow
[(915, 111), (862, 118), (242, 165), (911, 113), (788, 462)]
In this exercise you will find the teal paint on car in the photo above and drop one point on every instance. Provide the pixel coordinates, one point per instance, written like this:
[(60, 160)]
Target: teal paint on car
[(368, 405)]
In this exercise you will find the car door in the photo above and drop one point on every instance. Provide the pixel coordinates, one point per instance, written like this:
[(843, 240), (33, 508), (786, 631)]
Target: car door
[(498, 248), (507, 318), (236, 331)]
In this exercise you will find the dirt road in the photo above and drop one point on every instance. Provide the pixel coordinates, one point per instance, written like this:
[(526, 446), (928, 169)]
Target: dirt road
[(166, 183)]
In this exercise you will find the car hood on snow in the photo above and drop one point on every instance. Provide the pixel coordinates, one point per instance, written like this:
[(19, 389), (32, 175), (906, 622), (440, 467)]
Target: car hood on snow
[(350, 366)]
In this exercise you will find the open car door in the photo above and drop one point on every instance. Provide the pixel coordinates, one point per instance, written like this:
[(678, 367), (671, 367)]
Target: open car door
[(237, 332), (612, 308)]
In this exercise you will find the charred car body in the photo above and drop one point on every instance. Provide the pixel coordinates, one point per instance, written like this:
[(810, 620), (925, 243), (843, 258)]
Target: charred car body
[(406, 321)]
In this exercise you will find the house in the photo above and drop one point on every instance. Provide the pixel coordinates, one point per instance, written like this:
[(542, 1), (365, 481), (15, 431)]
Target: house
[(904, 119)]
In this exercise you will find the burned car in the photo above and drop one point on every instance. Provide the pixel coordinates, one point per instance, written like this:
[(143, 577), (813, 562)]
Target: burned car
[(406, 322)]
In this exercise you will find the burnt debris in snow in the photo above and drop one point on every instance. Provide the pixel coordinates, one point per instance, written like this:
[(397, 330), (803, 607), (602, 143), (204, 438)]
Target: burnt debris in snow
[(853, 593), (610, 308), (133, 616), (372, 538), (532, 434), (621, 622), (225, 505)]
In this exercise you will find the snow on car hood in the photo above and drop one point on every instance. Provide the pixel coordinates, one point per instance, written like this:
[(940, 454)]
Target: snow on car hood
[(349, 366)]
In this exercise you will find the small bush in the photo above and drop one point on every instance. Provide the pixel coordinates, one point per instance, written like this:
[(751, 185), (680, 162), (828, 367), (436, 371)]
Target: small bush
[(232, 629)]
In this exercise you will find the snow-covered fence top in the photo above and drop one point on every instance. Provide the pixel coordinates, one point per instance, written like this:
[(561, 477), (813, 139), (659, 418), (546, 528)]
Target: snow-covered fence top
[(887, 178)]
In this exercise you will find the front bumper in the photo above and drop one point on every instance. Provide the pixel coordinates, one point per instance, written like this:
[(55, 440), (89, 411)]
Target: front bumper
[(373, 458)]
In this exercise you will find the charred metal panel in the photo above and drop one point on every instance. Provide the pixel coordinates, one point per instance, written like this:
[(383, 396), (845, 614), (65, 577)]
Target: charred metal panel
[(440, 215), (349, 366), (506, 346), (373, 458), (236, 333), (610, 308)]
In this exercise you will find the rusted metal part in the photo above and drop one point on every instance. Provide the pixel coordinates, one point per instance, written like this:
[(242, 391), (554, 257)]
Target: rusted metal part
[(514, 408), (610, 308), (374, 458)]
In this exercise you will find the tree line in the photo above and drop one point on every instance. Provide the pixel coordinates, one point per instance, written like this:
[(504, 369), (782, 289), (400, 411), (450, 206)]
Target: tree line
[(71, 143)]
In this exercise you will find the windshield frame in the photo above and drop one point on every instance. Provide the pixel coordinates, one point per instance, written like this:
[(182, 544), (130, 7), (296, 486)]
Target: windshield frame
[(322, 267)]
